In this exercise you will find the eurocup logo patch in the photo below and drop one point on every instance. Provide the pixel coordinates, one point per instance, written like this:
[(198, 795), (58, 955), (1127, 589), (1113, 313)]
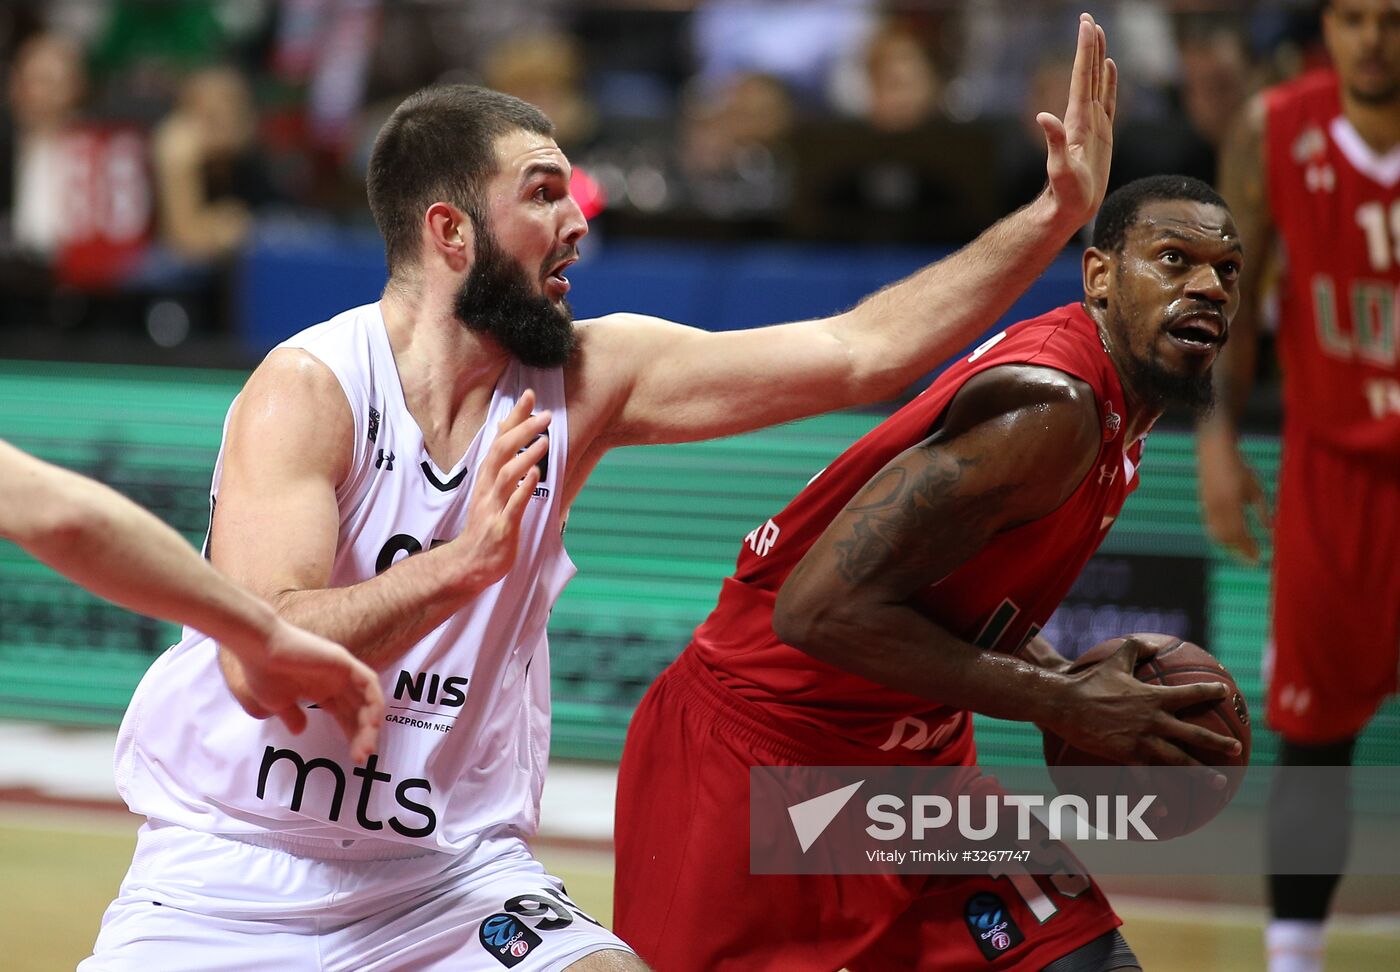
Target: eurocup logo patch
[(507, 939), (989, 922)]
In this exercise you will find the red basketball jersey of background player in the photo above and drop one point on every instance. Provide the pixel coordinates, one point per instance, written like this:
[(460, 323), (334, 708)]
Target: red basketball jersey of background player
[(1336, 204), (998, 599)]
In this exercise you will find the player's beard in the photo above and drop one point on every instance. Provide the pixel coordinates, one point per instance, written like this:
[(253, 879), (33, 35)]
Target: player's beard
[(497, 299), (1156, 382), (1161, 386)]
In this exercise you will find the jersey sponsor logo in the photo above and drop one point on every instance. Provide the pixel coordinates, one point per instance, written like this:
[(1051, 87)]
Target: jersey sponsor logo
[(432, 688), (385, 461), (301, 770), (427, 688), (1374, 332), (1108, 472), (373, 433), (761, 539), (912, 732), (508, 939), (990, 923)]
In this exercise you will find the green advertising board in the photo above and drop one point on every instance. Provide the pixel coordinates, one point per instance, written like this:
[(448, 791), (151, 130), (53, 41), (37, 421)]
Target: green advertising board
[(652, 535)]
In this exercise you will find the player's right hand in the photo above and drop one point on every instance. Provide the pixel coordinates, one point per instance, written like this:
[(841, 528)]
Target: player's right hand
[(1228, 491), (1111, 714), (504, 484)]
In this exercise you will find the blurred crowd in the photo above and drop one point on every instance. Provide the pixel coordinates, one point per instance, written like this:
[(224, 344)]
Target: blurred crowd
[(143, 143)]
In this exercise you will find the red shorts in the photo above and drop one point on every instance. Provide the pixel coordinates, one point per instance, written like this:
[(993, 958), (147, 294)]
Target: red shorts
[(1336, 627), (685, 899)]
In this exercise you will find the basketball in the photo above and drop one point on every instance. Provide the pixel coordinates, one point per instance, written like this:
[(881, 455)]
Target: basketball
[(1186, 798)]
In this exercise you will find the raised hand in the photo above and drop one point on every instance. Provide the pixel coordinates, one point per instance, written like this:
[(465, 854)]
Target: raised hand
[(1112, 714), (294, 666), (1080, 147), (504, 484)]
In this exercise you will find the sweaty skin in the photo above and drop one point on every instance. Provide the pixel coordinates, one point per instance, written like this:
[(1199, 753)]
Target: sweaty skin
[(1013, 445)]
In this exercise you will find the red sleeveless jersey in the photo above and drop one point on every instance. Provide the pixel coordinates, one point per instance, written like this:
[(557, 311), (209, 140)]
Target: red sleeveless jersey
[(998, 599), (1336, 204)]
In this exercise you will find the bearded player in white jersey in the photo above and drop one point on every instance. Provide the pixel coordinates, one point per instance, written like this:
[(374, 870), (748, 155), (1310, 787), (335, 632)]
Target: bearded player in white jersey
[(397, 479)]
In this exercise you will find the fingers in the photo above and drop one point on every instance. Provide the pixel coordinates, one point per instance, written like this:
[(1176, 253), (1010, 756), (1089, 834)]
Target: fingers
[(1162, 753), (522, 442), (1110, 94), (293, 717), (1228, 527), (1245, 545), (1124, 657), (1100, 52), (1081, 79), (518, 428), (511, 481), (358, 708), (1142, 650), (1239, 540), (1056, 138), (1180, 696), (1201, 738), (515, 504), (523, 406), (364, 713)]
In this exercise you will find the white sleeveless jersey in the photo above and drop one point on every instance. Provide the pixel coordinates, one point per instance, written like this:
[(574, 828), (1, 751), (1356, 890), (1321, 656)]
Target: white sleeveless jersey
[(463, 749)]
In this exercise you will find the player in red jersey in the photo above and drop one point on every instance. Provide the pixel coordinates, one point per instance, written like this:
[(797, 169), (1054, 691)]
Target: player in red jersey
[(1315, 165), (902, 590)]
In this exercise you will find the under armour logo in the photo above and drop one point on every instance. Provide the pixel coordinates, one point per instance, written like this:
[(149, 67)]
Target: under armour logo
[(384, 462), (1108, 472)]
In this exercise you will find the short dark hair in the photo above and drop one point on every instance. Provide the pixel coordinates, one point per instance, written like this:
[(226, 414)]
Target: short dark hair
[(1120, 210), (439, 145)]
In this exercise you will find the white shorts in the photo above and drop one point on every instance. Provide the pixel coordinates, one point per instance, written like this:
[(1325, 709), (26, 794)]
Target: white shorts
[(197, 901)]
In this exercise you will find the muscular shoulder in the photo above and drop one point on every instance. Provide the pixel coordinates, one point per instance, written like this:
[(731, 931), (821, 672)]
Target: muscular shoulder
[(293, 402), (1041, 398), (624, 333), (1026, 426)]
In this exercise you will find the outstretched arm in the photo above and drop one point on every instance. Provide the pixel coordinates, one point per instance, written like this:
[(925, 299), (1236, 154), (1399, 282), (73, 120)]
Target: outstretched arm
[(1228, 486), (1014, 445), (109, 545), (671, 383)]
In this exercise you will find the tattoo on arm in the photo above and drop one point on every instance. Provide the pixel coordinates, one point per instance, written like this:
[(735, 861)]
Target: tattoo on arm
[(910, 523)]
